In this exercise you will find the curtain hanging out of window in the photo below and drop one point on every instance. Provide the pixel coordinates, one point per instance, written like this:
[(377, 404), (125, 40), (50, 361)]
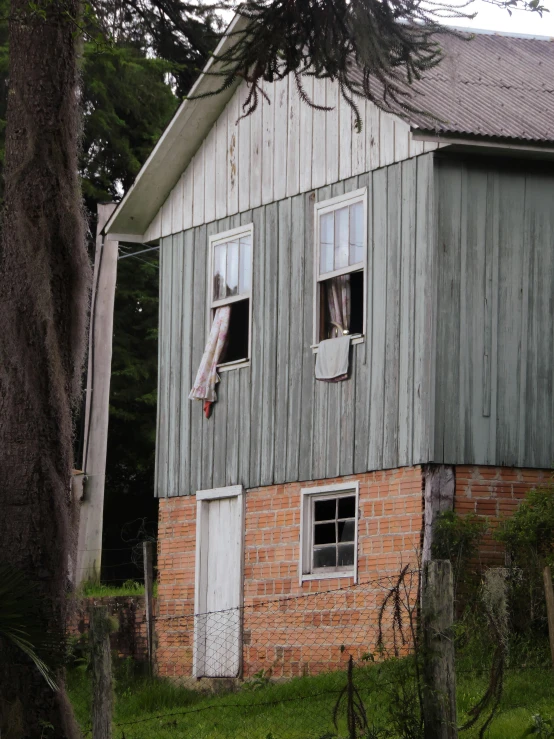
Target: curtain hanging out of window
[(207, 378)]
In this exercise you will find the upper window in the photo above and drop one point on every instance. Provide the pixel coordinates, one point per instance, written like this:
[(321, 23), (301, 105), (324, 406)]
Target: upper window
[(340, 259), (231, 284), (329, 532)]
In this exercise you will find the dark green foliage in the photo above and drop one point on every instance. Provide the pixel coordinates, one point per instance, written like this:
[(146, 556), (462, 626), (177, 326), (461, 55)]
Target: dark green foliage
[(127, 104), (457, 538), (529, 534)]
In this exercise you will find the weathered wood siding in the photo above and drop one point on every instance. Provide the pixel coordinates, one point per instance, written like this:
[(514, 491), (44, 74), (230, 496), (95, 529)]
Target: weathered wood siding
[(284, 148), (495, 303), (273, 422)]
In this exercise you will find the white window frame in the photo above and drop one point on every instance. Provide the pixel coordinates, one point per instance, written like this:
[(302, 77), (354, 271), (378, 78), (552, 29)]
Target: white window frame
[(326, 206), (219, 238), (308, 495)]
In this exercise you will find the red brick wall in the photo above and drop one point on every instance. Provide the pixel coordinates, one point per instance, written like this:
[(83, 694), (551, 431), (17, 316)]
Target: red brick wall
[(302, 634), (494, 492)]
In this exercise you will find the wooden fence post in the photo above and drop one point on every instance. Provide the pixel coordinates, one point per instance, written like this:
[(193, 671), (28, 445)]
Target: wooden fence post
[(549, 593), (102, 688), (439, 689), (148, 594)]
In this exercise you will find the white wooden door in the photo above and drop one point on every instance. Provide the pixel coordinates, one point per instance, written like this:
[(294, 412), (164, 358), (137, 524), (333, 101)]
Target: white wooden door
[(219, 554)]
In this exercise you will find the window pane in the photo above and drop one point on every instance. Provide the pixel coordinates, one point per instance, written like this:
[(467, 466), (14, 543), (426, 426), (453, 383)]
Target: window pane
[(245, 281), (346, 555), (324, 533), (325, 510), (347, 507), (341, 238), (325, 557), (232, 268), (326, 242), (346, 530), (220, 252), (356, 233)]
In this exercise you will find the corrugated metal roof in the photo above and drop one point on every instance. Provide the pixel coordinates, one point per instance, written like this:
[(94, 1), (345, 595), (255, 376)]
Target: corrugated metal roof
[(490, 85)]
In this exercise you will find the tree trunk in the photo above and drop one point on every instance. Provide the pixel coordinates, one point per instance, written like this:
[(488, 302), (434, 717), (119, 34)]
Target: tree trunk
[(44, 277)]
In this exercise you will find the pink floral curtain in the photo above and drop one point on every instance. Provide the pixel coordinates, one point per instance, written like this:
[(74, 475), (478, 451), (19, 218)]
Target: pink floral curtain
[(207, 377), (338, 300)]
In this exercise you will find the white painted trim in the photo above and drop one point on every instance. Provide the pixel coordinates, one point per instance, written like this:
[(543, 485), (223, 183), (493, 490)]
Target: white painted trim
[(222, 238), (327, 206), (439, 139), (129, 238), (305, 545), (217, 493)]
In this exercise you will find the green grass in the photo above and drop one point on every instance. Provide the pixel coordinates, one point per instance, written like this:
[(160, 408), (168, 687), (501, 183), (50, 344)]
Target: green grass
[(299, 709), (97, 590)]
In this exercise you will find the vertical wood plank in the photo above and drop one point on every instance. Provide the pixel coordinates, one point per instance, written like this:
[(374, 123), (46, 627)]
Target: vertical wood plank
[(245, 382), (380, 324), (511, 236), (363, 352), (392, 334), (256, 155), (293, 146), (407, 311), (345, 133), (359, 141), (245, 172), (233, 113), (258, 338), (166, 298), (198, 196), (188, 197), (231, 463), (401, 140), (221, 159), (186, 365), (271, 276), (268, 132), (373, 136), (319, 135), (308, 359), (386, 139), (299, 304), (448, 329), (209, 175), (177, 207), (306, 134), (175, 365), (166, 217), (198, 343), (281, 104), (332, 132), (285, 319)]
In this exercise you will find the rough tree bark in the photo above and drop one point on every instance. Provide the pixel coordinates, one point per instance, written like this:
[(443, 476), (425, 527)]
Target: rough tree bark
[(44, 277)]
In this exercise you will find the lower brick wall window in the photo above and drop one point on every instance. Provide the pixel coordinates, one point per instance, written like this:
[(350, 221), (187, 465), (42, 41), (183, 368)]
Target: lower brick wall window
[(329, 532)]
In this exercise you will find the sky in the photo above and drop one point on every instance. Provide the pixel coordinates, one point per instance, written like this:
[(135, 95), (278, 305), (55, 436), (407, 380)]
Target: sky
[(492, 18)]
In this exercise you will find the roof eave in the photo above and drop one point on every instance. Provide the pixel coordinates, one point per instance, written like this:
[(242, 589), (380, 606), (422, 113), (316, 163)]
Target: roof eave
[(175, 148)]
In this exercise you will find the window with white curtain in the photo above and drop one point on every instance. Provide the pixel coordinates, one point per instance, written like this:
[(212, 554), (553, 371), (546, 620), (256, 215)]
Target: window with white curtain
[(340, 266), (230, 284)]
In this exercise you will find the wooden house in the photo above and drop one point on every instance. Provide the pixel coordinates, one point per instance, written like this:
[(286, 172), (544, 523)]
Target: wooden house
[(446, 230)]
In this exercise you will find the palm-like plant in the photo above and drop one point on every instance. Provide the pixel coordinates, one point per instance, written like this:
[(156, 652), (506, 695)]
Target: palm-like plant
[(19, 625)]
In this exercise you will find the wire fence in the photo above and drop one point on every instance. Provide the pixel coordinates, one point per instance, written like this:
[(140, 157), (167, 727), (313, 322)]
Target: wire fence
[(334, 662)]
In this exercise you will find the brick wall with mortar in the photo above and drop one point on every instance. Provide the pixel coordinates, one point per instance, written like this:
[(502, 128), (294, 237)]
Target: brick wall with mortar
[(494, 492), (129, 640), (305, 635)]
